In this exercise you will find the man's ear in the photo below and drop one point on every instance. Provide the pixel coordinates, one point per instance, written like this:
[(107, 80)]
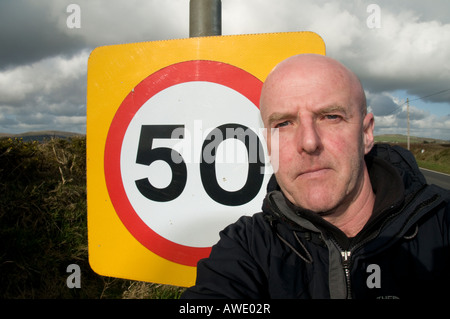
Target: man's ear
[(368, 127)]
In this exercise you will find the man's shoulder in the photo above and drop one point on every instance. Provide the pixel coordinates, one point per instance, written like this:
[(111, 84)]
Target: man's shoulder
[(251, 232), (404, 163), (437, 192), (249, 223), (433, 200), (442, 194)]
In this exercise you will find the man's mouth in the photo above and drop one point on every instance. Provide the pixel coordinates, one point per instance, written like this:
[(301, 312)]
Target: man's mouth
[(314, 172)]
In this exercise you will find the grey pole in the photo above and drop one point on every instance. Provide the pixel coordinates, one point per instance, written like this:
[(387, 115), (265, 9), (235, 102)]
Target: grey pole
[(205, 18)]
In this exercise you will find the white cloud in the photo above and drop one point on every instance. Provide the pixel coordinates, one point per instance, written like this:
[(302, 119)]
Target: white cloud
[(45, 90), (392, 118), (409, 51), (406, 51), (338, 27), (14, 85)]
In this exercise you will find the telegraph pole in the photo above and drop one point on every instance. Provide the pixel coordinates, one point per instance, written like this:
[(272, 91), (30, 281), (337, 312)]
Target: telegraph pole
[(407, 108), (205, 18)]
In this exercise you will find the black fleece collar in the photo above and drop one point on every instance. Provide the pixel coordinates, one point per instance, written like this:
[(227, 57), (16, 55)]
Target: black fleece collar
[(386, 184)]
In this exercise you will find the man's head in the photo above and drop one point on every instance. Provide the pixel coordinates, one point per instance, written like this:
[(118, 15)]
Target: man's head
[(318, 108)]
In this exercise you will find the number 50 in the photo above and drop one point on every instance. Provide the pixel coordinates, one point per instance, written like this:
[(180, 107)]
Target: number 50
[(146, 155)]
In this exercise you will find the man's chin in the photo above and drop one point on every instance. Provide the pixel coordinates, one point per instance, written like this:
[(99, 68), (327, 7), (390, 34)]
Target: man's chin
[(321, 204)]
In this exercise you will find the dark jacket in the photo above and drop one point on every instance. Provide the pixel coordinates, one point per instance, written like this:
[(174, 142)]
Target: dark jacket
[(284, 252)]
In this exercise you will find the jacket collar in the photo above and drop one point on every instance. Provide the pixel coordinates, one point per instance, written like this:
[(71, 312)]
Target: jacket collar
[(387, 183)]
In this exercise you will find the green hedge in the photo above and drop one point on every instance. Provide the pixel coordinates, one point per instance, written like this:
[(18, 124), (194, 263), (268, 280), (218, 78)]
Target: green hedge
[(43, 225)]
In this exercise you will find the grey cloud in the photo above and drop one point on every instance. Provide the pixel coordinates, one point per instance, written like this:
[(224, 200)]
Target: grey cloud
[(29, 33), (33, 30), (428, 10), (51, 93), (382, 104)]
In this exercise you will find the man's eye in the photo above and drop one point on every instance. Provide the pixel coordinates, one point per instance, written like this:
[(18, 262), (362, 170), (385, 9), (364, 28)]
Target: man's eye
[(332, 117), (282, 124)]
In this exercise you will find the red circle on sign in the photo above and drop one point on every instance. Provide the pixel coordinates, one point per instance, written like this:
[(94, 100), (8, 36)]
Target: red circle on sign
[(188, 71)]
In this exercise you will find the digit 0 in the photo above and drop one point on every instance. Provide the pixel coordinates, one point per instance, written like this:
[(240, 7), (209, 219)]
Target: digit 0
[(255, 164)]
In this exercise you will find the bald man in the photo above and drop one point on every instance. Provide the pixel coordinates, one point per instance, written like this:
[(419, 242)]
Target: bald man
[(319, 110), (342, 218)]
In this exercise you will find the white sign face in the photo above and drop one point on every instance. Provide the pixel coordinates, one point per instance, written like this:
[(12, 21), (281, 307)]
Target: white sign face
[(192, 110), (186, 156)]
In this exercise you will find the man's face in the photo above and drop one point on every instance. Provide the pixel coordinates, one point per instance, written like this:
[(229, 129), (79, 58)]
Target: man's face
[(322, 138)]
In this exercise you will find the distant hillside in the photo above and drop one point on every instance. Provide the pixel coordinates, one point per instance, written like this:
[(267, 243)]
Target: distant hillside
[(40, 136), (399, 138)]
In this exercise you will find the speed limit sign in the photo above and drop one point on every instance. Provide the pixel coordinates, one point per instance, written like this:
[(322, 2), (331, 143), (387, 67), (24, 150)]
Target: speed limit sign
[(176, 148)]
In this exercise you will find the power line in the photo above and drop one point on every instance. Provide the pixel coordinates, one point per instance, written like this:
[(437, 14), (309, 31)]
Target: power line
[(419, 98), (407, 103), (433, 94)]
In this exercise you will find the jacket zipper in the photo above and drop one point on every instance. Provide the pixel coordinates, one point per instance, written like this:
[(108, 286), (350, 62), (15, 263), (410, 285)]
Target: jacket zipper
[(346, 265), (346, 254)]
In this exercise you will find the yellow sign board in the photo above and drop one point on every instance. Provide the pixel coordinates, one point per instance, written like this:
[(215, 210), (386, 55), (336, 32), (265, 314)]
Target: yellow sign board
[(159, 185)]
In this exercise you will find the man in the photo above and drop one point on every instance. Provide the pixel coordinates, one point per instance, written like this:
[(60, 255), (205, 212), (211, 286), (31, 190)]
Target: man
[(342, 218)]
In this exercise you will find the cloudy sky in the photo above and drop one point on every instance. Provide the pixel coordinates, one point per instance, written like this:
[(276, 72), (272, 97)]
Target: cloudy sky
[(403, 54)]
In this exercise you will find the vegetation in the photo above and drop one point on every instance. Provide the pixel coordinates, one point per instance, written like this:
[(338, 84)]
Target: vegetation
[(430, 153), (402, 139), (43, 225), (433, 156)]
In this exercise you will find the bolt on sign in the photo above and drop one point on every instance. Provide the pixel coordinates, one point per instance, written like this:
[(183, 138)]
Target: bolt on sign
[(175, 148)]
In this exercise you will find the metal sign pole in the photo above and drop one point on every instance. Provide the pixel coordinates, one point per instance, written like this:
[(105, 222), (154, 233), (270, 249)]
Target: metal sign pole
[(205, 18)]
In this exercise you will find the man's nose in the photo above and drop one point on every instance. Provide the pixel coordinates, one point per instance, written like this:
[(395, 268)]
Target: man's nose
[(308, 138)]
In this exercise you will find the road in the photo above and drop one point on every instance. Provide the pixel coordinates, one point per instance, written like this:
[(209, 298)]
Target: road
[(439, 179)]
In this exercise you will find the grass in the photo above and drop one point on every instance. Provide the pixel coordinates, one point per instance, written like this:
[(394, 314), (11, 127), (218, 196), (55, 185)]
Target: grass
[(432, 156), (402, 139), (429, 153)]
